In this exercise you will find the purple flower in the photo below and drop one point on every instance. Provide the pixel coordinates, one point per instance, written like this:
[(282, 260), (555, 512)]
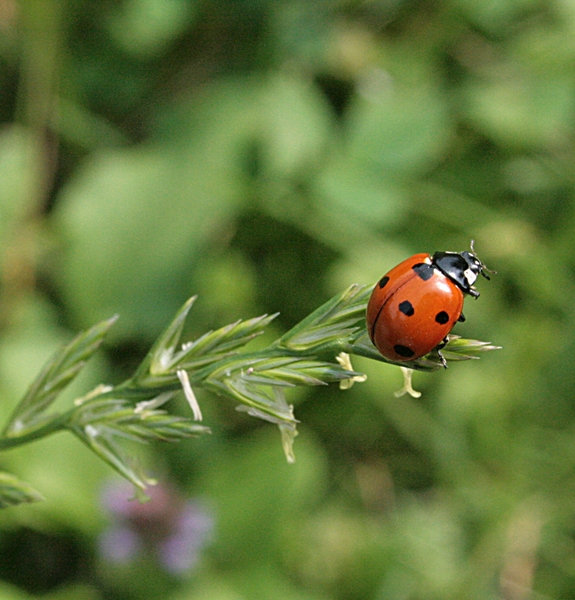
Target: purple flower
[(119, 544), (169, 526)]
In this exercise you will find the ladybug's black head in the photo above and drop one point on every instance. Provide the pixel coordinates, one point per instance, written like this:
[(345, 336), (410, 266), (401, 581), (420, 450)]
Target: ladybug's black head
[(463, 268)]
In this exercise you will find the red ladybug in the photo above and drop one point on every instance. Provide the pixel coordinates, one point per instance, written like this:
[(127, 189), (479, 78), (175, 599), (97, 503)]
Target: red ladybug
[(414, 306)]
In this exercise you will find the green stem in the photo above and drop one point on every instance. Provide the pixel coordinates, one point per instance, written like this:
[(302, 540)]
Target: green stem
[(139, 391), (57, 423)]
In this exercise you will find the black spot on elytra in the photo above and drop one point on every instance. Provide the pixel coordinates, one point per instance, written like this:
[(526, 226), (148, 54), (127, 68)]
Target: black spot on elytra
[(383, 281), (403, 351), (406, 308), (442, 317), (424, 270)]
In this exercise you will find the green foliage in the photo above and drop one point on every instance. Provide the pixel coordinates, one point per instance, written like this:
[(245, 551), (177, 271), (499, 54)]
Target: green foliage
[(266, 156), (66, 363), (14, 492), (108, 415)]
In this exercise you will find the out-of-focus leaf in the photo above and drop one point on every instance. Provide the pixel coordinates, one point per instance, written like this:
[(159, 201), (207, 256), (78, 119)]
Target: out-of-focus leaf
[(9, 592), (68, 475), (495, 16), (77, 124), (398, 123), (16, 193), (294, 123), (522, 109), (133, 220), (145, 27), (252, 483), (360, 192)]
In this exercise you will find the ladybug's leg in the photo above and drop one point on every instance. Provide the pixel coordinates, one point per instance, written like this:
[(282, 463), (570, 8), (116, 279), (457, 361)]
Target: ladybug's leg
[(442, 359), (440, 354), (461, 318)]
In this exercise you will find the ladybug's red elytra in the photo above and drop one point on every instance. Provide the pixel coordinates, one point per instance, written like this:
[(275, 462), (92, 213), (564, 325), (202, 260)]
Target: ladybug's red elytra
[(415, 305)]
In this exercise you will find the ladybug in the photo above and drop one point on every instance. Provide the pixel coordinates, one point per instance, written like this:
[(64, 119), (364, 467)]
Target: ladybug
[(414, 306)]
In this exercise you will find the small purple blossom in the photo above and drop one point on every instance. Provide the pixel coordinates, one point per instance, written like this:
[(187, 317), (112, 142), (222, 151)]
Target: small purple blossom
[(168, 525), (180, 551), (119, 544)]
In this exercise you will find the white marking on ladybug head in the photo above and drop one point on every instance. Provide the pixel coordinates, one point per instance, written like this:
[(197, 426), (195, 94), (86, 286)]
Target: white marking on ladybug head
[(470, 275)]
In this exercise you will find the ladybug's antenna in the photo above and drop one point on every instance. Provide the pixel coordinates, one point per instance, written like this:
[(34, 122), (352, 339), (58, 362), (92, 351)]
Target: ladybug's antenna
[(483, 266), (492, 271)]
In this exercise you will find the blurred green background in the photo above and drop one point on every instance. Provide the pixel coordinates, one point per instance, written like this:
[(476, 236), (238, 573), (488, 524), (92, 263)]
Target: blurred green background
[(265, 154)]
